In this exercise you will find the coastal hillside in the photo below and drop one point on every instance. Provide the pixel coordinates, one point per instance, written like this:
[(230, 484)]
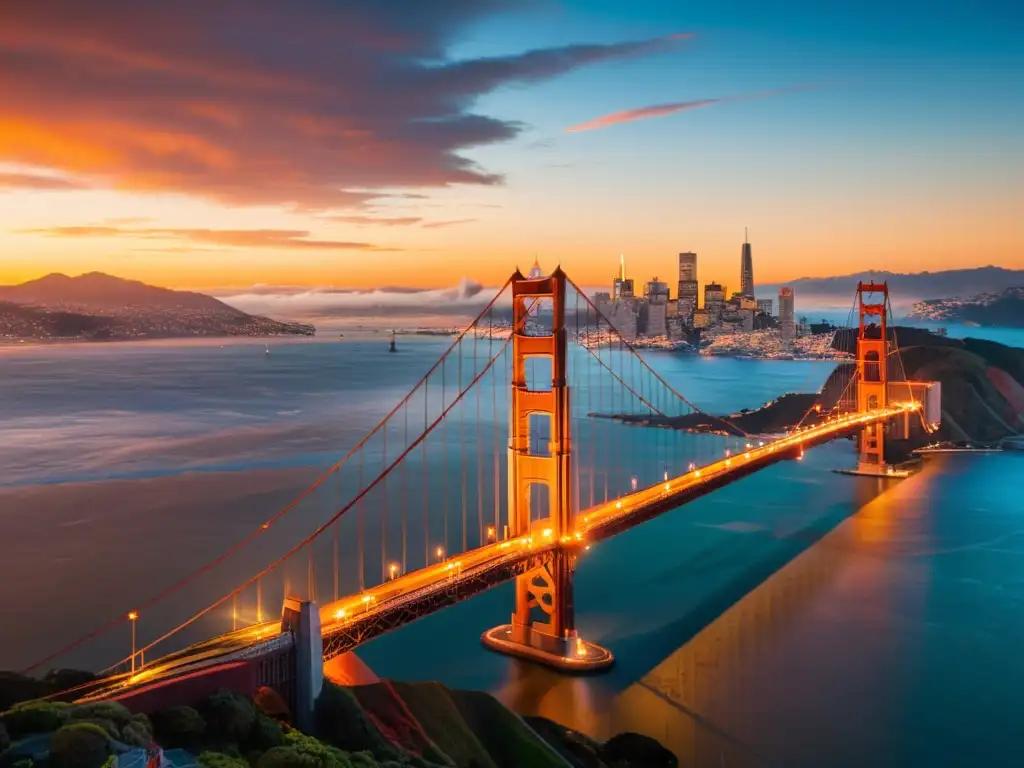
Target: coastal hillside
[(1004, 309), (915, 285), (421, 725), (96, 307), (982, 392), (982, 382)]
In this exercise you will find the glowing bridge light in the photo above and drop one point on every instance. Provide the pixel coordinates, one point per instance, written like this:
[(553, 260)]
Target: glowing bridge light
[(581, 649), (490, 532), (368, 599), (728, 452), (440, 553), (547, 533), (393, 570), (760, 443), (340, 613), (618, 505), (667, 486), (697, 473), (728, 462), (692, 467), (749, 446), (747, 455), (579, 536)]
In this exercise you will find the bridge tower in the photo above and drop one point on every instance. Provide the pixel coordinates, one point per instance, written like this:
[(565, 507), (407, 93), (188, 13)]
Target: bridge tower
[(872, 372), (543, 627)]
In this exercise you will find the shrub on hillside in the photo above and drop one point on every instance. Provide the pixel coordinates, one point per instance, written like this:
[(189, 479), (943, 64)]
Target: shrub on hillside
[(220, 760), (362, 760), (102, 710), (35, 717), (229, 717), (79, 745), (179, 727), (631, 750), (109, 726), (265, 733), (135, 735), (341, 721), (270, 703)]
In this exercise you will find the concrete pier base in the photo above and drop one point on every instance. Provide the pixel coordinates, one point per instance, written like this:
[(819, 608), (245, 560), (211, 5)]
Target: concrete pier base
[(869, 469), (565, 654), (302, 619)]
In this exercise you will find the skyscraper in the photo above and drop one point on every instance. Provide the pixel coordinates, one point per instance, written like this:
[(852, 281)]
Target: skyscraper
[(622, 287), (786, 319), (688, 289), (535, 271), (746, 268), (714, 302)]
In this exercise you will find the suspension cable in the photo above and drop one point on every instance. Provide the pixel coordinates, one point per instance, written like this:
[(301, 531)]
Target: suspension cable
[(148, 603)]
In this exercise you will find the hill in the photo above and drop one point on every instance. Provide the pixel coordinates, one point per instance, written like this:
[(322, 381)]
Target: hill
[(982, 392), (1004, 309), (423, 725), (96, 292), (919, 285), (96, 306)]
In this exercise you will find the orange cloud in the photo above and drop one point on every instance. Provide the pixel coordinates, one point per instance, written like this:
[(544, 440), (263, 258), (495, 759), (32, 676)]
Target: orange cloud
[(662, 110), (393, 221), (443, 224), (38, 181), (314, 105), (239, 238)]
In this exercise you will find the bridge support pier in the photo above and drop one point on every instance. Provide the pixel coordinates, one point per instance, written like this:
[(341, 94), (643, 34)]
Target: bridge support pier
[(302, 619), (543, 627)]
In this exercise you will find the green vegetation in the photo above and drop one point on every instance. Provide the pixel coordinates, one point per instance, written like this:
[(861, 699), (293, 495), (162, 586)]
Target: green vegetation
[(508, 740), (210, 759), (35, 717), (384, 725), (431, 704), (79, 745)]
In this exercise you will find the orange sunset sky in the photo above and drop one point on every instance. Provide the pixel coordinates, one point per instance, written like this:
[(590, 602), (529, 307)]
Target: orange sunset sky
[(359, 144)]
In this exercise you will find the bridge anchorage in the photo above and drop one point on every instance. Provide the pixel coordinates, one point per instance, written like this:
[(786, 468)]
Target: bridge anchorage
[(543, 626)]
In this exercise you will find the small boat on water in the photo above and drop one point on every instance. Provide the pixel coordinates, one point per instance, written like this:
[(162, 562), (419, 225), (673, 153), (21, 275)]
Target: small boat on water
[(393, 348)]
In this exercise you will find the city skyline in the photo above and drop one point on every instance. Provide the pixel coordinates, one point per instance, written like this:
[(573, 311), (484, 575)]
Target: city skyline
[(479, 135)]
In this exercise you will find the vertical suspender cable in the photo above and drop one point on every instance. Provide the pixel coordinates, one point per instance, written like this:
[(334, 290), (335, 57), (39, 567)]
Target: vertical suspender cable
[(494, 428), (479, 455), (384, 514), (362, 536), (444, 453), (462, 440), (426, 482), (405, 495)]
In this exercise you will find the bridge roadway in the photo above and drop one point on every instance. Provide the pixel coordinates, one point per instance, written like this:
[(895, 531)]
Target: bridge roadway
[(355, 619)]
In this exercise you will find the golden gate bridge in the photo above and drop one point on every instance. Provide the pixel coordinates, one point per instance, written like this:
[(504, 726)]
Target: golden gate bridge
[(403, 528)]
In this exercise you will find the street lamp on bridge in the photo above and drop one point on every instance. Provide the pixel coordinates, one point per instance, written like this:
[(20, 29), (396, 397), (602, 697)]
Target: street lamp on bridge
[(133, 617)]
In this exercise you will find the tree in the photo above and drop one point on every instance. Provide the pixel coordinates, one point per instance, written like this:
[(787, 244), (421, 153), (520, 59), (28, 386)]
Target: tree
[(79, 745)]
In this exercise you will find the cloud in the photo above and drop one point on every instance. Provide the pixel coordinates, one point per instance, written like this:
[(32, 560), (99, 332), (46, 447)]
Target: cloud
[(313, 104), (466, 298), (239, 238), (662, 110), (38, 181), (444, 224), (393, 221)]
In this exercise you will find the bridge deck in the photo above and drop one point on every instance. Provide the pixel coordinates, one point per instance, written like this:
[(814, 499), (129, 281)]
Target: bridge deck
[(358, 618)]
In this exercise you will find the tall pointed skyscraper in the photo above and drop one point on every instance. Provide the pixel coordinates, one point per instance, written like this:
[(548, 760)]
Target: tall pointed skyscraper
[(746, 268)]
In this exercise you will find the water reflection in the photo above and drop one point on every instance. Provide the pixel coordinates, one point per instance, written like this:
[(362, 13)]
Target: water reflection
[(812, 658)]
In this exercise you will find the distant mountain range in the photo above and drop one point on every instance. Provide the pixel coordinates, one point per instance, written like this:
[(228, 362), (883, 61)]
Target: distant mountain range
[(1005, 309), (97, 292), (921, 285), (96, 306)]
